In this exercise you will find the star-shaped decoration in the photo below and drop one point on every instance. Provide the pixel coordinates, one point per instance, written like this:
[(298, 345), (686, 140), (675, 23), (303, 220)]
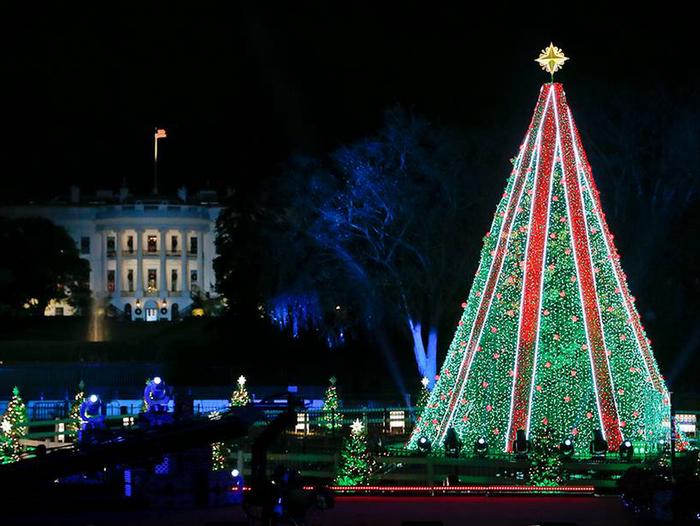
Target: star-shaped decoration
[(551, 59), (356, 426), (6, 426), (425, 382), (241, 380)]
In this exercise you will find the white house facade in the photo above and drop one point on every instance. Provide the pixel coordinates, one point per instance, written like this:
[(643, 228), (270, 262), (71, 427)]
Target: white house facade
[(148, 259)]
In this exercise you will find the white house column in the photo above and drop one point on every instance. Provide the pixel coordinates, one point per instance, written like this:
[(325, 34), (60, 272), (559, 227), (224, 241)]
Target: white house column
[(163, 281), (184, 275), (200, 261), (103, 261), (118, 259), (139, 263)]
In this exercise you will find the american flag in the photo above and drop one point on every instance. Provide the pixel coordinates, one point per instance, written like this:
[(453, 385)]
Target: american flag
[(160, 133)]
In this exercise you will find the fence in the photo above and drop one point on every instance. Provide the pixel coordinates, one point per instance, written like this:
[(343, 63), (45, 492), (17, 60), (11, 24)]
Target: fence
[(434, 470)]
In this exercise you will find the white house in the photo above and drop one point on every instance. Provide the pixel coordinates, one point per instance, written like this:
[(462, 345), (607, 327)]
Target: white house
[(147, 256)]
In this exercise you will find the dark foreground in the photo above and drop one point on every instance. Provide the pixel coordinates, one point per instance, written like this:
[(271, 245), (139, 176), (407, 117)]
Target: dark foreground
[(385, 511)]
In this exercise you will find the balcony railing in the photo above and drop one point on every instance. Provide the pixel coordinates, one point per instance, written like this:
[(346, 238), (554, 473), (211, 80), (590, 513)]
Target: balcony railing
[(174, 252), (128, 252)]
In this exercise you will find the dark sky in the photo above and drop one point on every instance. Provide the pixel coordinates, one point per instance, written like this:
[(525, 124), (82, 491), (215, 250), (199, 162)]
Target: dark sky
[(241, 85)]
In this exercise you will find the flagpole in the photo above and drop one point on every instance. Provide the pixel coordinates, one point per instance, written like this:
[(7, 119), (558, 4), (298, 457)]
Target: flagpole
[(155, 163)]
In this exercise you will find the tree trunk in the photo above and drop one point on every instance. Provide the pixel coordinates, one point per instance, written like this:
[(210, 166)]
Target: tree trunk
[(425, 352)]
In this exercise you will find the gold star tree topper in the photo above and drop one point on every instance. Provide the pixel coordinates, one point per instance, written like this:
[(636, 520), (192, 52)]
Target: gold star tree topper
[(551, 59)]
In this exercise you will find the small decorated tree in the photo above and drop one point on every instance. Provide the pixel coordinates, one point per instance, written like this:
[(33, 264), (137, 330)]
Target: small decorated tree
[(330, 415), (218, 456), (423, 395), (219, 451), (356, 462), (240, 396), (546, 465), (144, 404), (13, 426), (74, 412)]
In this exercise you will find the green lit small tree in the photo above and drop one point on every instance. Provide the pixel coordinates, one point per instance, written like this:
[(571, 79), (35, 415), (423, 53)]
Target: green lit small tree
[(74, 411), (218, 456), (219, 450), (423, 395), (356, 464), (331, 418), (240, 395), (13, 426), (546, 466)]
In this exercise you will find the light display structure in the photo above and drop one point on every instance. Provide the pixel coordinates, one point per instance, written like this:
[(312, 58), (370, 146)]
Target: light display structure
[(550, 335)]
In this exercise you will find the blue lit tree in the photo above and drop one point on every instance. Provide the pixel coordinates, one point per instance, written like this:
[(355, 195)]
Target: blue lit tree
[(380, 228)]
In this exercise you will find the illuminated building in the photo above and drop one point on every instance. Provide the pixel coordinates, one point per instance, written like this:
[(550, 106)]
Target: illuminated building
[(148, 257)]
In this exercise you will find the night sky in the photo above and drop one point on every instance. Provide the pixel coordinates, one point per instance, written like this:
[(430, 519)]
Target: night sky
[(240, 87)]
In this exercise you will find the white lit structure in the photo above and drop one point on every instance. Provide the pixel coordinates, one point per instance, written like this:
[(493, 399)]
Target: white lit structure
[(147, 258)]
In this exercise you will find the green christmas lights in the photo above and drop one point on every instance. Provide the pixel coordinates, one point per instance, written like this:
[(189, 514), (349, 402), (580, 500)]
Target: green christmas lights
[(13, 427), (356, 464), (546, 466), (74, 412), (240, 396), (549, 336), (331, 418)]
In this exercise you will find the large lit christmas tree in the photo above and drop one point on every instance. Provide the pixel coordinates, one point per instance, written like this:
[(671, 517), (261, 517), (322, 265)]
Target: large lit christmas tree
[(549, 335)]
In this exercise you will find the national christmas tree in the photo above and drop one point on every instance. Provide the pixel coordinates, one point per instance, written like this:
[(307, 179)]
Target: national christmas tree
[(549, 335), (330, 414), (356, 462), (13, 426)]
